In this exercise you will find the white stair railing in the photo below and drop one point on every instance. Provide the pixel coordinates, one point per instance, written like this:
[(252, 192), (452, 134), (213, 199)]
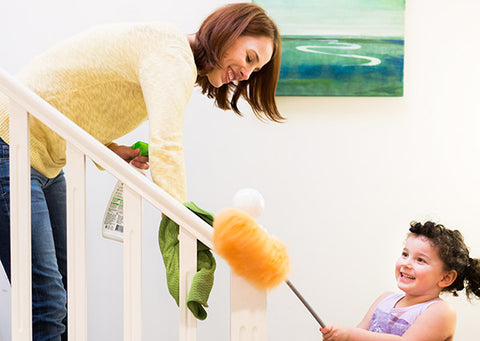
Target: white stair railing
[(248, 305)]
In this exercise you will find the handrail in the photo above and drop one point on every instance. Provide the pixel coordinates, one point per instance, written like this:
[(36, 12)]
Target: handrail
[(248, 304), (103, 156)]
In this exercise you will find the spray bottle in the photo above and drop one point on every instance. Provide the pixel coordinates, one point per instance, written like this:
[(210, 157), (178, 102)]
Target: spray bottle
[(112, 226)]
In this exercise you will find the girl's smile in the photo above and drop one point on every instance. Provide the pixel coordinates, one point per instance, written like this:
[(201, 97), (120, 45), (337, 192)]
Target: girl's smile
[(419, 270)]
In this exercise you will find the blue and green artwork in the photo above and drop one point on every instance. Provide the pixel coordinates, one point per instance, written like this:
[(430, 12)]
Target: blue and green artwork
[(340, 47)]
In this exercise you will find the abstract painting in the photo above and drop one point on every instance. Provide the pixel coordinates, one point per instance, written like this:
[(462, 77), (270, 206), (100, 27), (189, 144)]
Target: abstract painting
[(340, 47)]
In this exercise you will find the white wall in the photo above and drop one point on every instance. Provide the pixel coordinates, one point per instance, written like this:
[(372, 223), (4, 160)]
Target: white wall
[(342, 178)]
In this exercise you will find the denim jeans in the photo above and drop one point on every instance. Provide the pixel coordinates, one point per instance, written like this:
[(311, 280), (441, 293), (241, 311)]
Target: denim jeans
[(49, 270)]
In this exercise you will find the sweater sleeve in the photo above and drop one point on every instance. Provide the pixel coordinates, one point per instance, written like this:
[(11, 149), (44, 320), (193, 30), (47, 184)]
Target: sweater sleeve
[(167, 76)]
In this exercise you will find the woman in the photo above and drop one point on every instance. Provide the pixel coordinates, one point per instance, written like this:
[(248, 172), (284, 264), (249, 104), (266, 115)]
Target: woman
[(108, 81)]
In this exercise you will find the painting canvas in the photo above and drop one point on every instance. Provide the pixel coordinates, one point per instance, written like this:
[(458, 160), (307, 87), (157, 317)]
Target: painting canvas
[(340, 47)]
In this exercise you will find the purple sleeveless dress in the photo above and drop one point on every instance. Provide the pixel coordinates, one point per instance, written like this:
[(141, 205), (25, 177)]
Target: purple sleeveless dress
[(390, 320)]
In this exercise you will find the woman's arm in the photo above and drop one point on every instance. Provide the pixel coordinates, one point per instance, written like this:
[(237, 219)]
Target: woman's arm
[(130, 155), (167, 76)]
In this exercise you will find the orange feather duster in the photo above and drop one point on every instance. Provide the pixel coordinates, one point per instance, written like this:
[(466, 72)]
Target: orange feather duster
[(251, 253)]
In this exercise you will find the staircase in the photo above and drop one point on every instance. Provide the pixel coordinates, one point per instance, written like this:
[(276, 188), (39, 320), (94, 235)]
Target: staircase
[(248, 305)]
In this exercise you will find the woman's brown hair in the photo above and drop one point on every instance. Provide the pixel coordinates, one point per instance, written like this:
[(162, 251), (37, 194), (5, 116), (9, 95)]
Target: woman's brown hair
[(219, 31)]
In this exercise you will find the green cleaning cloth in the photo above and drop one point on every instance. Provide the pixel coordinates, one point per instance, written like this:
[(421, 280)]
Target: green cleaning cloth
[(202, 282)]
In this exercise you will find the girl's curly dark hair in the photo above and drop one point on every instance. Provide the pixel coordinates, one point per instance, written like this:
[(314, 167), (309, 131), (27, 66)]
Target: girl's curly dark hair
[(454, 254)]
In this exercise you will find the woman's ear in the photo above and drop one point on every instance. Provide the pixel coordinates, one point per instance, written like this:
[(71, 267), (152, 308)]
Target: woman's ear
[(448, 278)]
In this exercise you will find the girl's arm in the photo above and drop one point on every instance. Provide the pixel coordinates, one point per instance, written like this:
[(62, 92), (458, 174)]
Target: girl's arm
[(337, 332), (436, 323)]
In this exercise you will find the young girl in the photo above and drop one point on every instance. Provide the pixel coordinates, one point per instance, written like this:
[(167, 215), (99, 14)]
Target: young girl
[(434, 260)]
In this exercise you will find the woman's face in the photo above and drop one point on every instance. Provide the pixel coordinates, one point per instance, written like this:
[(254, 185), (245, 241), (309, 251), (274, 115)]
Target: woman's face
[(248, 54)]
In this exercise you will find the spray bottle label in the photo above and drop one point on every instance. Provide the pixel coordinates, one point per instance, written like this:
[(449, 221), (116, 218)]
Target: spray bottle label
[(112, 226), (114, 216)]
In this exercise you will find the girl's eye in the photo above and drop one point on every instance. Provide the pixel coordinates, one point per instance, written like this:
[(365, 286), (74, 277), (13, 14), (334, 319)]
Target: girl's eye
[(404, 254), (249, 60), (421, 260)]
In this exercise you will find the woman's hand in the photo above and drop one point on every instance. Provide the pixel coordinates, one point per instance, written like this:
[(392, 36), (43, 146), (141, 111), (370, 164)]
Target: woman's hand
[(335, 332), (130, 155)]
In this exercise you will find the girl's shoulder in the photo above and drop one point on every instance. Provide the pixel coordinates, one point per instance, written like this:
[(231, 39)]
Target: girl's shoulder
[(436, 322), (439, 314), (442, 309), (388, 294), (365, 323)]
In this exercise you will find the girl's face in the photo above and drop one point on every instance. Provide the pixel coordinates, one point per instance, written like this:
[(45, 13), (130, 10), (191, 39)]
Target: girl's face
[(419, 270), (248, 54)]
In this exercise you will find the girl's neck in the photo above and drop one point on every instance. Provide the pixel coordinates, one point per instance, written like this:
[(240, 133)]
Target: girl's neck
[(409, 300)]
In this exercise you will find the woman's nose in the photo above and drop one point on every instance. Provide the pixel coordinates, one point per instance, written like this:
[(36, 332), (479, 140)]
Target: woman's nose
[(245, 73)]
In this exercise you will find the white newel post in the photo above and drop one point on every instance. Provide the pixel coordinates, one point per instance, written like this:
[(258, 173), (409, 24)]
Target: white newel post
[(248, 311), (132, 262), (188, 268), (248, 320), (20, 224), (76, 244)]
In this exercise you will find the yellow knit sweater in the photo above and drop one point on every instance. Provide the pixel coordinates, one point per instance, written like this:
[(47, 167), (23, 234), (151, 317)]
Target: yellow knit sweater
[(108, 81)]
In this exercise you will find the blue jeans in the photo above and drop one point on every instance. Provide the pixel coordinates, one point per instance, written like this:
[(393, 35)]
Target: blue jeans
[(49, 259)]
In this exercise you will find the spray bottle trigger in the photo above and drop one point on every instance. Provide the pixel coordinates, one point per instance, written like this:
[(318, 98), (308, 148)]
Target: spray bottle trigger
[(143, 146)]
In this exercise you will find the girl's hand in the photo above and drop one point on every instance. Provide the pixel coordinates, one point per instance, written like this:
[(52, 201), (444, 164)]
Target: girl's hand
[(128, 154), (335, 332)]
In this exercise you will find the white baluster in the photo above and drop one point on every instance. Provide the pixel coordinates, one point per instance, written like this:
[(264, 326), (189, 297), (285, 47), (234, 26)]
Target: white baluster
[(132, 262), (76, 244), (188, 268), (20, 224)]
